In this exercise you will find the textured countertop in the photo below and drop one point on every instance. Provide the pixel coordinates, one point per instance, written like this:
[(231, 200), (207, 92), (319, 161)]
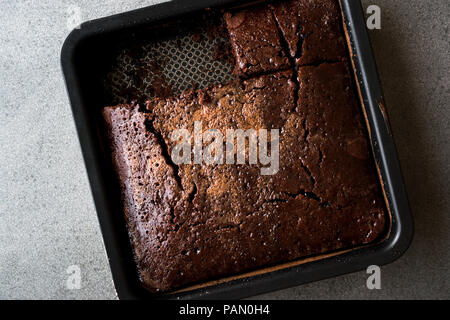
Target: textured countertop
[(47, 216)]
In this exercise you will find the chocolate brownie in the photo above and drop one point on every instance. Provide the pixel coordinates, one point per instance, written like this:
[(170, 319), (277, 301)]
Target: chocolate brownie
[(256, 41), (194, 222), (312, 30)]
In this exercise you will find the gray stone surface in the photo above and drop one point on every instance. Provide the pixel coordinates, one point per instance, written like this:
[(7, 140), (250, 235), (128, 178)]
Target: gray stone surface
[(47, 216)]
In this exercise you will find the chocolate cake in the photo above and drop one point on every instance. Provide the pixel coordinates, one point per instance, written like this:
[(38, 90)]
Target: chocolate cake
[(191, 222)]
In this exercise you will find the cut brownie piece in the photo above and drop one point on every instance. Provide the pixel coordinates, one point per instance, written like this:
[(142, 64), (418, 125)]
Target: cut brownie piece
[(190, 222), (312, 30), (335, 137), (256, 41)]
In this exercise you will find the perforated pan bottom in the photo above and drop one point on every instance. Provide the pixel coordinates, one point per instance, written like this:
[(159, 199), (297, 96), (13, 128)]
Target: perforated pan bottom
[(162, 68)]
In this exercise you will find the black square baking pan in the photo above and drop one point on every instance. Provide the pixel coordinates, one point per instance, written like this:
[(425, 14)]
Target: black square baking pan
[(100, 68)]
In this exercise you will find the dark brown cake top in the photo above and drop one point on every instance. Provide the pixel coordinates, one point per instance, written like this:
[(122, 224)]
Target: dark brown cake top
[(193, 222), (312, 30), (256, 41)]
